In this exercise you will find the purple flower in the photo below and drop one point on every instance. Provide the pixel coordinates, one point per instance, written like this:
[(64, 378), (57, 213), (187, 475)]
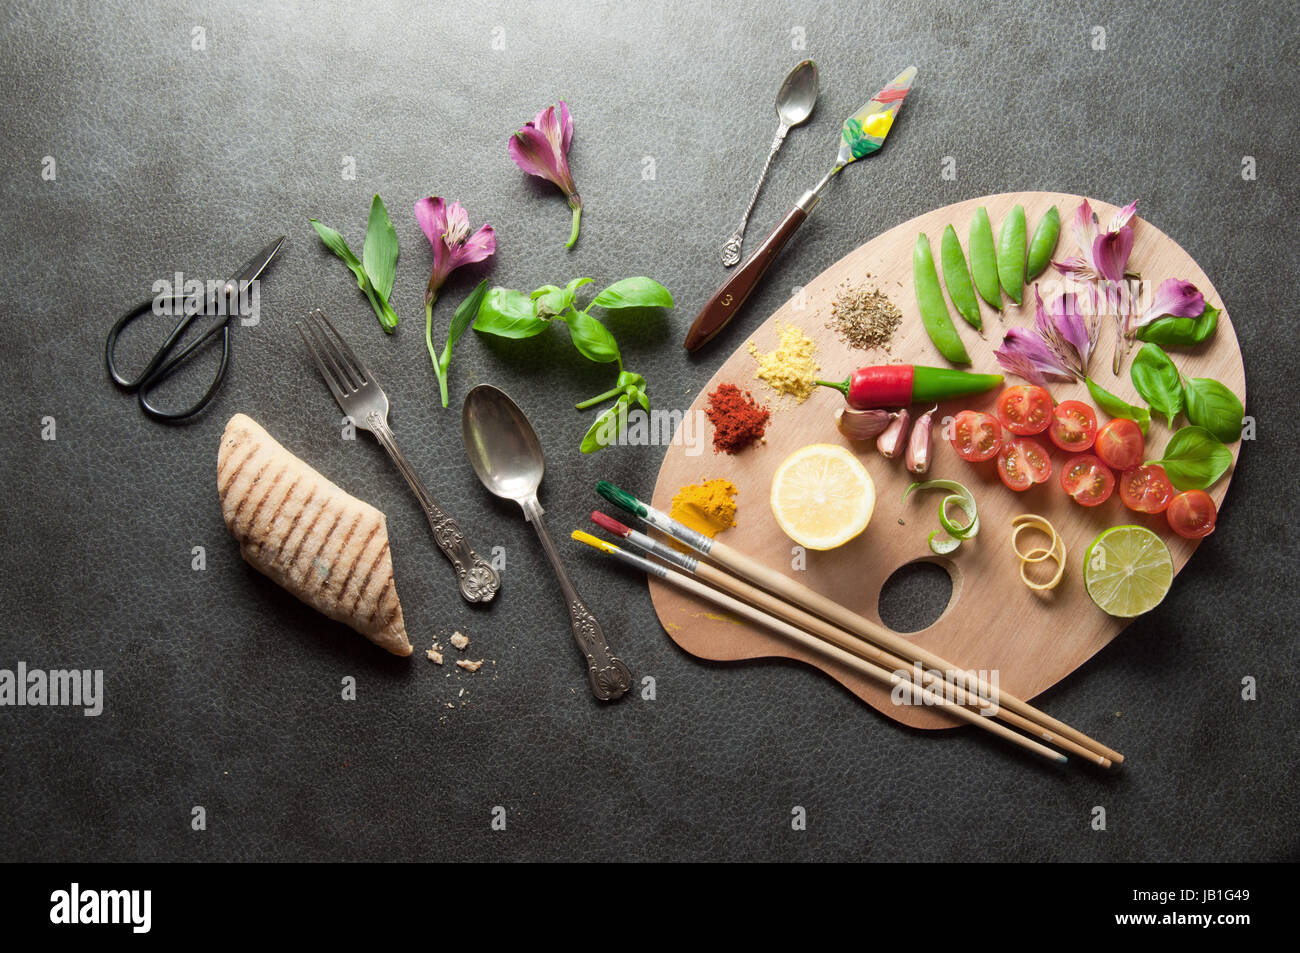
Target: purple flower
[(1174, 297), (1064, 329), (447, 228), (1026, 355), (1103, 258), (541, 148)]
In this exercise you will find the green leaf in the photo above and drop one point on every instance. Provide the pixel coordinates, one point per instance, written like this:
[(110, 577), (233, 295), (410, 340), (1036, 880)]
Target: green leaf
[(1194, 459), (641, 398), (591, 338), (635, 293), (335, 243), (606, 428), (550, 300), (508, 314), (465, 314), (379, 302), (380, 252), (1211, 405), (1118, 408), (1158, 381), (1180, 332)]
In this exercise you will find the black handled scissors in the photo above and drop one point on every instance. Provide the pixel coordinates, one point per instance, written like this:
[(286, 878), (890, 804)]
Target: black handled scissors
[(223, 302)]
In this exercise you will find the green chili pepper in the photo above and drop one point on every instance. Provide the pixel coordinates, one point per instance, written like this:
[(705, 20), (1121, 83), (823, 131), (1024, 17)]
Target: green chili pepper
[(957, 277), (983, 260), (934, 310), (1011, 254), (1043, 243)]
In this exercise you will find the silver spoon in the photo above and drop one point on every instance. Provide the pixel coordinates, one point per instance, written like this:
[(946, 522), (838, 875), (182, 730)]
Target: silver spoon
[(794, 104), (504, 451)]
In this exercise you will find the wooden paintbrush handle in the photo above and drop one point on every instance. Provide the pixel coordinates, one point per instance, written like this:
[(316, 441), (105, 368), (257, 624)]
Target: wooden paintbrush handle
[(727, 300)]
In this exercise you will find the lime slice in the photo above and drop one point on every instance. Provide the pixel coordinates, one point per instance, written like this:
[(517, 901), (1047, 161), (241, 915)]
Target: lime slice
[(822, 496), (1128, 571)]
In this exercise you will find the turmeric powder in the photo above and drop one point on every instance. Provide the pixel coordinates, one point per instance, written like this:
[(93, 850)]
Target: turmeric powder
[(708, 508)]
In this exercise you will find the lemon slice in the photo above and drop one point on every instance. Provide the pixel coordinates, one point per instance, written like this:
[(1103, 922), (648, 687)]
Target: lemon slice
[(822, 496), (1128, 571)]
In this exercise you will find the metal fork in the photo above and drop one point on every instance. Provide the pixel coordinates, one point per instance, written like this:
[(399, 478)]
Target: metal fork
[(362, 399)]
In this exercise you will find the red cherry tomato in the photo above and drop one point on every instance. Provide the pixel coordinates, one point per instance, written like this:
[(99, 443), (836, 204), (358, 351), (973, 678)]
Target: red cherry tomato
[(1022, 463), (1087, 480), (1074, 426), (1192, 514), (1146, 489), (976, 436), (1120, 444), (1025, 409)]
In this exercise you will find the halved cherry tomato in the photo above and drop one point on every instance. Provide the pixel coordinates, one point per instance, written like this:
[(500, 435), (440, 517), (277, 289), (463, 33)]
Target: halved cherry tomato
[(1087, 480), (1025, 409), (1146, 489), (1192, 514), (1074, 426), (976, 436), (1022, 463), (1120, 444)]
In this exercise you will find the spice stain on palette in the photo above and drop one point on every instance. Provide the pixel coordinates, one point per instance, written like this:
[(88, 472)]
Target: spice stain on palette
[(993, 621)]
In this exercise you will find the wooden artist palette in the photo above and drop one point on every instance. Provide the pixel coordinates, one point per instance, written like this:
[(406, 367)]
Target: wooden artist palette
[(992, 621)]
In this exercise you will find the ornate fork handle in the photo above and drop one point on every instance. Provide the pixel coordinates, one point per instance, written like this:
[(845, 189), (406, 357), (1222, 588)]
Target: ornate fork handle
[(478, 581), (731, 250)]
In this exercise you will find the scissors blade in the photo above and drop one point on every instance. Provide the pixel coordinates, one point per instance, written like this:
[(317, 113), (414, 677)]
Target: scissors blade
[(257, 264)]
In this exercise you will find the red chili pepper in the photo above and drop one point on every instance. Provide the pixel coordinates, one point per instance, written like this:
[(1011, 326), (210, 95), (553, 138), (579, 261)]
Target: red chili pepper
[(897, 385)]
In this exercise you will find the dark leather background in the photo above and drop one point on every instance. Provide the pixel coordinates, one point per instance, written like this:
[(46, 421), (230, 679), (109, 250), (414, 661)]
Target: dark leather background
[(223, 691)]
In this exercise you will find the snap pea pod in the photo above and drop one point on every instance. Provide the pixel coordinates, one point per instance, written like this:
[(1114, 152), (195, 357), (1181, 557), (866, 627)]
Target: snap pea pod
[(1043, 243), (983, 259), (934, 310), (1011, 254), (957, 277)]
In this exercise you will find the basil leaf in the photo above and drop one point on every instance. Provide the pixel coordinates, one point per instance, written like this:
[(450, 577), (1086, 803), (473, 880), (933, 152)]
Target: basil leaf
[(1171, 331), (335, 243), (550, 300), (606, 428), (1118, 408), (1194, 459), (380, 252), (1158, 381), (635, 293), (464, 315), (591, 338), (1211, 405), (508, 314), (642, 399)]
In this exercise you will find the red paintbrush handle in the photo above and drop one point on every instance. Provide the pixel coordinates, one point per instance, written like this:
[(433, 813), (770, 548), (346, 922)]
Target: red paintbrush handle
[(726, 301)]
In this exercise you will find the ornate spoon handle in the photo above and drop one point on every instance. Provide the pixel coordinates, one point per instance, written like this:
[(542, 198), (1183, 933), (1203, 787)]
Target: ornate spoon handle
[(731, 250), (606, 673), (477, 579)]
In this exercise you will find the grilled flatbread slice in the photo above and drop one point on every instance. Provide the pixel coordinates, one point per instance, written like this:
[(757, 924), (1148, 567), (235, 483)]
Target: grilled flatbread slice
[(325, 546)]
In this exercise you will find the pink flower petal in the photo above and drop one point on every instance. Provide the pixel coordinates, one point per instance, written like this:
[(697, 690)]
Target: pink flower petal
[(1110, 253), (1121, 218), (482, 244), (566, 123), (549, 125), (531, 151), (1174, 297), (1025, 355), (1085, 230), (431, 213), (1075, 265), (457, 226)]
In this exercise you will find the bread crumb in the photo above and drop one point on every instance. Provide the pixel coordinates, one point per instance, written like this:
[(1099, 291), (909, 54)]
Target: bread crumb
[(469, 666), (434, 656), (459, 640)]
